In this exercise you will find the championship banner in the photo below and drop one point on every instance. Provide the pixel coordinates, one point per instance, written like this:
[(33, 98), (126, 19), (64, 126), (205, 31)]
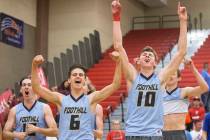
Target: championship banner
[(42, 77), (11, 30), (3, 99)]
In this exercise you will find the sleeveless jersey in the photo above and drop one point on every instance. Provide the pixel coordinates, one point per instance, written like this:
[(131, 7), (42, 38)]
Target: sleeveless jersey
[(145, 107), (75, 119), (173, 103), (34, 116)]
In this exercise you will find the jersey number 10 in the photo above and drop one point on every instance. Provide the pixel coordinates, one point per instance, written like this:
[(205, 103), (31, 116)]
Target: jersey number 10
[(149, 98)]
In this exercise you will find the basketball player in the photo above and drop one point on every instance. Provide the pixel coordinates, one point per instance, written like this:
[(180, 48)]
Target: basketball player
[(145, 108), (175, 103), (76, 109), (32, 119)]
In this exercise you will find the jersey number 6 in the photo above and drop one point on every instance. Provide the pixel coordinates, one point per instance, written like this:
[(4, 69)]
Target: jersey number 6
[(75, 122)]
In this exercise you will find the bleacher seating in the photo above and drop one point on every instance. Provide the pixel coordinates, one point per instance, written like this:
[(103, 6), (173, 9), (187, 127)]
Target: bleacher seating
[(200, 57)]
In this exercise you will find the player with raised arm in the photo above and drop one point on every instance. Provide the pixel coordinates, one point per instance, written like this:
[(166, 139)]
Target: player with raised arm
[(76, 109), (175, 103), (145, 99)]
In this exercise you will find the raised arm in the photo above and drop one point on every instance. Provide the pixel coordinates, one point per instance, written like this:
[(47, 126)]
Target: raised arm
[(52, 129), (202, 85), (8, 133), (53, 97), (102, 94), (172, 67), (128, 68)]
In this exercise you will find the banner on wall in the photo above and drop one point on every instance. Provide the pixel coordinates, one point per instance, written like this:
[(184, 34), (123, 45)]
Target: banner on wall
[(11, 30)]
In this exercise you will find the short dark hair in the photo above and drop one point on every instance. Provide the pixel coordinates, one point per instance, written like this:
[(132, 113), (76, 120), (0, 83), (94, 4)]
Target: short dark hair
[(150, 49), (75, 66), (26, 77)]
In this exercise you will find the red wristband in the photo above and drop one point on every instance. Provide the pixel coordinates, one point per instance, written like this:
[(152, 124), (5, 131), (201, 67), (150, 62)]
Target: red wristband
[(116, 16)]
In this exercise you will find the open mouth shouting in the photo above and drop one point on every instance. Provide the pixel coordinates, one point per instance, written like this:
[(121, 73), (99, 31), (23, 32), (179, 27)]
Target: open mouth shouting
[(147, 60), (78, 81), (27, 92)]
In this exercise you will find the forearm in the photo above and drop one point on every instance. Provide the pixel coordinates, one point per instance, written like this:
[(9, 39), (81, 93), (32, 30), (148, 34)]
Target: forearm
[(117, 35), (10, 135), (182, 43), (52, 132), (201, 82), (110, 89), (40, 90), (35, 79), (172, 67), (117, 76)]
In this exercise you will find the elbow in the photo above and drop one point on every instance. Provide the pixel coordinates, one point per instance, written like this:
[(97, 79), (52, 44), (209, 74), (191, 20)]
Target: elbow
[(205, 88), (118, 45), (116, 85), (54, 132), (4, 134)]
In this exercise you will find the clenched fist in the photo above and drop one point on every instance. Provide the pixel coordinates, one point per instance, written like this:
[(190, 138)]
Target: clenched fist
[(38, 60), (116, 10), (182, 12)]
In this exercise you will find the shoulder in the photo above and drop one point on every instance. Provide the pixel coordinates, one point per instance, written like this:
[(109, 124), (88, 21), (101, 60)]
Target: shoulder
[(98, 106), (99, 109), (13, 109), (46, 106)]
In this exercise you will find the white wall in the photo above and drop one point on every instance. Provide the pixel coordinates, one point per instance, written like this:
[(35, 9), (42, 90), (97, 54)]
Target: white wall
[(194, 7), (71, 20), (24, 10), (130, 8)]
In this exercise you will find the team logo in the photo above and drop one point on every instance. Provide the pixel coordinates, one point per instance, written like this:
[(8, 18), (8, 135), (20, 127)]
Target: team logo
[(11, 30)]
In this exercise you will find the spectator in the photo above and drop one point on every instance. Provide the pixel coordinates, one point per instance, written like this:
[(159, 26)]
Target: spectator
[(4, 114), (197, 111), (205, 97), (64, 87), (188, 122), (196, 133), (206, 128), (116, 133)]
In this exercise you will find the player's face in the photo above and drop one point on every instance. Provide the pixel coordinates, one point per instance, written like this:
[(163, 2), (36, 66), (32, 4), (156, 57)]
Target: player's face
[(26, 89), (77, 78), (147, 59), (174, 79)]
